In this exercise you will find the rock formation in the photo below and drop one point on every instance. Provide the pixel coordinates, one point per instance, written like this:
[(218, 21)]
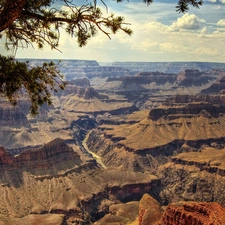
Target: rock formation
[(5, 157), (12, 116), (193, 77), (149, 210), (180, 213), (82, 82), (183, 106), (188, 213), (46, 156), (55, 183), (216, 87), (168, 67)]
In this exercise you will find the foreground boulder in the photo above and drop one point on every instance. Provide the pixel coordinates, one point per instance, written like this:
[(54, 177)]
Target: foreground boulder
[(180, 213), (188, 213)]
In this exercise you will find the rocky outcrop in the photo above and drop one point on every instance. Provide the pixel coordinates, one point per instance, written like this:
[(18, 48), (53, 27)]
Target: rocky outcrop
[(149, 210), (79, 91), (44, 157), (188, 213), (216, 87), (12, 116), (145, 78), (47, 155), (180, 213), (121, 213), (184, 106), (82, 82), (5, 157), (193, 77)]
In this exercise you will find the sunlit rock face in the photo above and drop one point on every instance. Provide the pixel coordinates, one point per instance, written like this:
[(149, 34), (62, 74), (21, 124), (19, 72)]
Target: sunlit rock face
[(151, 141), (180, 213), (189, 213), (46, 156), (183, 106), (62, 184)]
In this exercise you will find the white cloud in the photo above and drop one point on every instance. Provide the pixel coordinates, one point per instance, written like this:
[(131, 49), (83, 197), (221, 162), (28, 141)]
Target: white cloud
[(170, 47), (187, 22), (159, 35), (206, 51), (222, 1), (221, 23)]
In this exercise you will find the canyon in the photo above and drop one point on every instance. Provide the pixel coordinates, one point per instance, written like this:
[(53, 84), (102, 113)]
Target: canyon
[(120, 145)]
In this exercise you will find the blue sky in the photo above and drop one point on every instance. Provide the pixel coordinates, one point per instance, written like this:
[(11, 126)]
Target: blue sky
[(159, 34)]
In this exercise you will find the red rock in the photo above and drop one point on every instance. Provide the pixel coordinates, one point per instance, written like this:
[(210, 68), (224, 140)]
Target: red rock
[(194, 213), (5, 157)]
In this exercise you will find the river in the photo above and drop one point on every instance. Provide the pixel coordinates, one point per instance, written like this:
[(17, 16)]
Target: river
[(95, 156)]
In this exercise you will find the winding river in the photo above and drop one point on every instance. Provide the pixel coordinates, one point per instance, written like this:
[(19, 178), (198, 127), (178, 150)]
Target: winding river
[(95, 156)]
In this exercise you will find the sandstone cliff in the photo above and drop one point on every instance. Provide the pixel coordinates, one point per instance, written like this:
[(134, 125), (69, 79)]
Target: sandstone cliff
[(188, 213), (152, 141), (44, 157), (194, 176), (183, 106)]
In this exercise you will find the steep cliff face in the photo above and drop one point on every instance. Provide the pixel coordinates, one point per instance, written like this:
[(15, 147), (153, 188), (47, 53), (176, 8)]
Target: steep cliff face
[(82, 92), (180, 213), (12, 116), (216, 87), (188, 213), (82, 82), (194, 176), (183, 106), (145, 78), (46, 156), (5, 157), (75, 194), (56, 151), (193, 77), (153, 140), (54, 179)]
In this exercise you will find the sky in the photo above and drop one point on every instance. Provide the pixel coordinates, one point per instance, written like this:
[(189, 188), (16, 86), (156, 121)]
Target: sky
[(160, 34)]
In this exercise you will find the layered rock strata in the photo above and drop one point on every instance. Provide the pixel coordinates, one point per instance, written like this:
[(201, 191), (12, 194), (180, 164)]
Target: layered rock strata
[(188, 213), (180, 213), (216, 87), (62, 186), (191, 120)]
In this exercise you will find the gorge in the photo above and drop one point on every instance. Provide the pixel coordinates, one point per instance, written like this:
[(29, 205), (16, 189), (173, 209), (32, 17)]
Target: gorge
[(114, 137)]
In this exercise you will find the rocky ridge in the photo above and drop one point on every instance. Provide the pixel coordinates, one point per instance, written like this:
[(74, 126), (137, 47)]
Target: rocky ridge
[(216, 87), (67, 183), (181, 120), (168, 67)]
